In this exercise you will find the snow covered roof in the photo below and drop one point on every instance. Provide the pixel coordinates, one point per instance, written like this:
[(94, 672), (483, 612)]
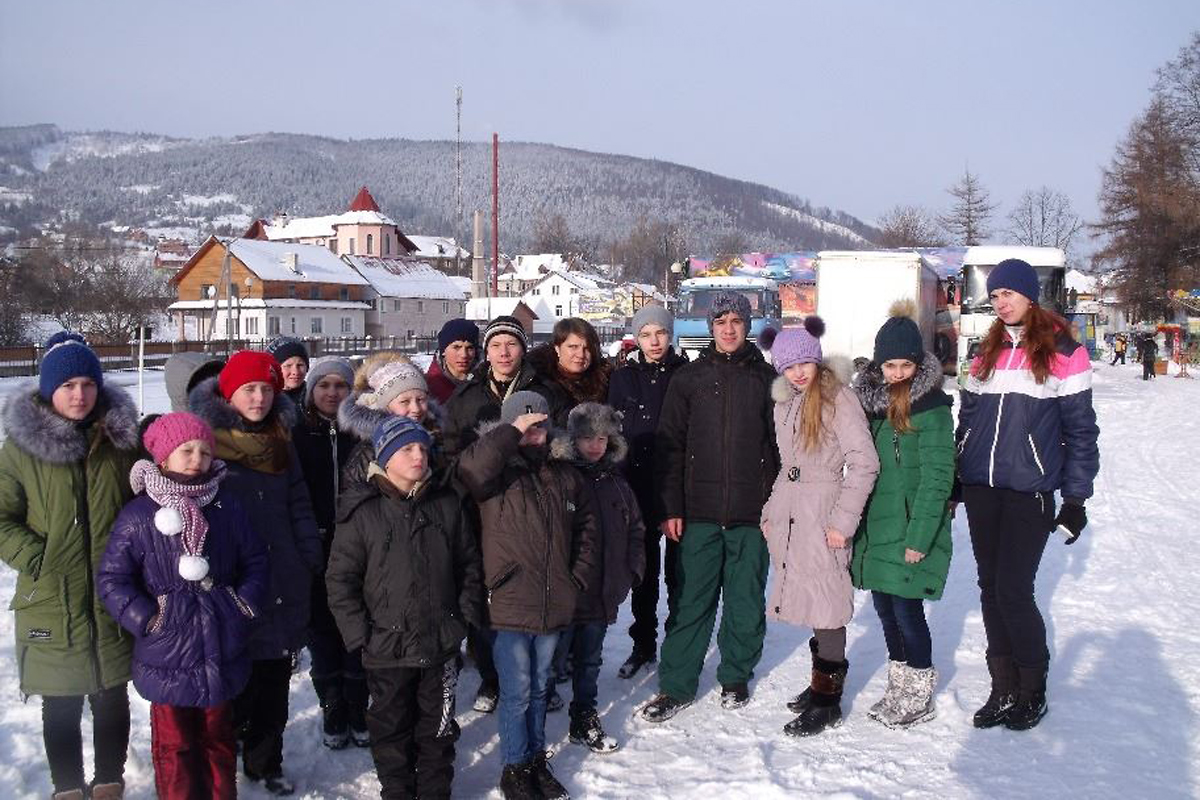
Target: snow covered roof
[(463, 283), (488, 308), (1081, 282), (321, 227), (531, 267), (275, 302), (580, 280), (437, 247), (398, 277), (314, 264)]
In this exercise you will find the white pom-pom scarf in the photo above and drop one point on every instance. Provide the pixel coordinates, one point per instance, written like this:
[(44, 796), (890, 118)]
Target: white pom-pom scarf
[(180, 514)]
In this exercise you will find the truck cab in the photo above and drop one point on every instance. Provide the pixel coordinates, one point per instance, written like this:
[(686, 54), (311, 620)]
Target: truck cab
[(695, 300)]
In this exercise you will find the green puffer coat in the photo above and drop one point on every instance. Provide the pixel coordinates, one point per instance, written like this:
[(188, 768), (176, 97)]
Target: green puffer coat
[(61, 488), (907, 509)]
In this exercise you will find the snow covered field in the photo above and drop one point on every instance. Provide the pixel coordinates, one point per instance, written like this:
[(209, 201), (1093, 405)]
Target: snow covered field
[(1124, 683)]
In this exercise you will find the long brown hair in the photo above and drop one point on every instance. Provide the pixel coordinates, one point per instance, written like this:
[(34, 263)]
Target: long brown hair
[(1041, 328), (899, 406), (820, 395), (584, 330)]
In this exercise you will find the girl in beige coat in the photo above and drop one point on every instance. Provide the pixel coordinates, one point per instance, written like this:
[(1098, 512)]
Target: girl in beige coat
[(829, 468)]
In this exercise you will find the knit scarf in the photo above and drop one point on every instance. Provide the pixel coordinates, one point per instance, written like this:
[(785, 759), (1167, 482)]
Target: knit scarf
[(185, 498), (261, 451)]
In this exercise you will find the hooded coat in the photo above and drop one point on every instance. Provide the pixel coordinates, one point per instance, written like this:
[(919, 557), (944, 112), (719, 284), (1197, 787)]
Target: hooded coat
[(281, 514), (540, 534), (907, 508), (360, 422), (61, 487), (181, 369), (716, 456), (474, 403), (197, 655), (817, 490), (405, 577), (637, 390), (622, 535)]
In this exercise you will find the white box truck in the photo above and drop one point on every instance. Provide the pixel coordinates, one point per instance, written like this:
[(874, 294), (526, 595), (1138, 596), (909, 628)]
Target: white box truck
[(856, 290)]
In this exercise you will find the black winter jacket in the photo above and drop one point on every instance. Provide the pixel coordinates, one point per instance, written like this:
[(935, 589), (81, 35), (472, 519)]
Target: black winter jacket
[(323, 449), (405, 577), (716, 452), (637, 390), (473, 403)]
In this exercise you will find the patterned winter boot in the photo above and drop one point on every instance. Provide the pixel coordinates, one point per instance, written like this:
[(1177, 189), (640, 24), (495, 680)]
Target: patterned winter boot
[(886, 703), (914, 701)]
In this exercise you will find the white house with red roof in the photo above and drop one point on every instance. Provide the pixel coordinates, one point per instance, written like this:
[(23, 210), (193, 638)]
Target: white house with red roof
[(362, 229)]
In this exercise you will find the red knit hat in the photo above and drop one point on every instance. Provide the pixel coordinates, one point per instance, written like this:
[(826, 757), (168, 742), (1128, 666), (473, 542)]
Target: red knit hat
[(171, 430), (248, 366)]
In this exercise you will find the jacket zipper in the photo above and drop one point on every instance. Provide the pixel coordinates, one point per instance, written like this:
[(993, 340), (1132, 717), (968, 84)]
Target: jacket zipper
[(336, 477), (546, 561), (90, 600), (725, 483), (999, 416), (1036, 459)]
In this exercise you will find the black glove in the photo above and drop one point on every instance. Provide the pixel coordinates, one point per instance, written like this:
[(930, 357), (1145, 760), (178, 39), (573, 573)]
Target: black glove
[(1073, 517)]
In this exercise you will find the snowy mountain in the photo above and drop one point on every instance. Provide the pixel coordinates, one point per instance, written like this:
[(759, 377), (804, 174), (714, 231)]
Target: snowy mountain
[(155, 182)]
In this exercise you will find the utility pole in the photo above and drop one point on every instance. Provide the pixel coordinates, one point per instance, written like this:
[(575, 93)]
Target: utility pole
[(495, 214), (458, 207)]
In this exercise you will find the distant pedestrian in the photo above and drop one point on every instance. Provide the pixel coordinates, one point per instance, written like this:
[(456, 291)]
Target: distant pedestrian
[(1149, 353), (1118, 349)]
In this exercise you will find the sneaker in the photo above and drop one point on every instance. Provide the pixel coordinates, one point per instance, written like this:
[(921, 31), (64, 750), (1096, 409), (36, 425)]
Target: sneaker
[(547, 784), (361, 738), (662, 708), (637, 659), (279, 786), (517, 782), (69, 794), (554, 701), (734, 695), (108, 791), (486, 698), (586, 730), (336, 740)]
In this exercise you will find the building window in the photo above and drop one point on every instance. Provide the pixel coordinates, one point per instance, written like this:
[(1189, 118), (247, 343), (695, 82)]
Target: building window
[(205, 288), (462, 307), (347, 325), (370, 244), (351, 245), (554, 289), (293, 325), (420, 306), (344, 293), (316, 325), (272, 326), (537, 292), (574, 290), (558, 311), (445, 306), (396, 305), (387, 245), (333, 245), (292, 291), (252, 326), (314, 293)]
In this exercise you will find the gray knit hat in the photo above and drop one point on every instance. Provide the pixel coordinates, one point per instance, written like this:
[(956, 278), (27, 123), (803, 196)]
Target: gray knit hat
[(525, 402), (653, 315), (328, 365), (728, 301), (389, 382)]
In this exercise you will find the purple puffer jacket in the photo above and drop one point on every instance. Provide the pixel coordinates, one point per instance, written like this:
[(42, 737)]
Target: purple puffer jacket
[(197, 655)]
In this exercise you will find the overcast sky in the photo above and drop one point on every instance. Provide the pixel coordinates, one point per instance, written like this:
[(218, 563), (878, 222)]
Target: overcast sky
[(854, 105)]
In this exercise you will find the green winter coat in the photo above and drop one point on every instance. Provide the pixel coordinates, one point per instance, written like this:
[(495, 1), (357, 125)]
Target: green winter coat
[(907, 509), (61, 488)]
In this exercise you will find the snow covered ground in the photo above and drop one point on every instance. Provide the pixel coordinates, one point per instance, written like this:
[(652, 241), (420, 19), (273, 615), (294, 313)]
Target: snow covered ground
[(1124, 682)]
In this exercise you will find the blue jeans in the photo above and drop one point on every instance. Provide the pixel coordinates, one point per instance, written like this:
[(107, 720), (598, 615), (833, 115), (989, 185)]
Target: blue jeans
[(904, 629), (523, 662), (585, 643)]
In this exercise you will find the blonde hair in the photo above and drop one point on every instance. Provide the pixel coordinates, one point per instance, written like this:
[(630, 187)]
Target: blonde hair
[(820, 395)]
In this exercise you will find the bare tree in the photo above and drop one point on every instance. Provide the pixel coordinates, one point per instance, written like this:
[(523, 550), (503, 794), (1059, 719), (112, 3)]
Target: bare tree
[(1044, 218), (909, 226), (967, 221), (731, 243), (552, 234), (14, 311), (647, 253), (127, 294)]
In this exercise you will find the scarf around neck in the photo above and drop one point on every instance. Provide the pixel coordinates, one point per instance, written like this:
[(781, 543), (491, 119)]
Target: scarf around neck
[(186, 499), (262, 451)]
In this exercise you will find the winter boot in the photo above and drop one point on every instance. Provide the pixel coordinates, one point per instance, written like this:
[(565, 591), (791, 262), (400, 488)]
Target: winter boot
[(335, 724), (547, 784), (70, 794), (357, 699), (518, 783), (825, 700), (885, 704), (1031, 699), (914, 702), (637, 659), (801, 701), (734, 695), (554, 701), (1004, 693), (279, 786), (585, 729), (487, 697), (108, 791), (663, 707)]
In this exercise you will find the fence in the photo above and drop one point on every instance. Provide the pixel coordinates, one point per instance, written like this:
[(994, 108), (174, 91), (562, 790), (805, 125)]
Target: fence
[(19, 361)]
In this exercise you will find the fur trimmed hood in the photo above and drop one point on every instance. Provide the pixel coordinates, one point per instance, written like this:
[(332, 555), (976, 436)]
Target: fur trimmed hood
[(562, 448), (361, 421), (872, 390), (206, 402), (34, 426)]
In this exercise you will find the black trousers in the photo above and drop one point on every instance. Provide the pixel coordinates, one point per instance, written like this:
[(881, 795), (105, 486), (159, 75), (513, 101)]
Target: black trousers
[(63, 737), (411, 721), (261, 714), (1009, 531), (1148, 368), (644, 630)]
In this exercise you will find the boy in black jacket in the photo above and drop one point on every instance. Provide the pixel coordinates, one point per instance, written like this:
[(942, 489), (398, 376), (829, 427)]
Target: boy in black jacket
[(404, 581)]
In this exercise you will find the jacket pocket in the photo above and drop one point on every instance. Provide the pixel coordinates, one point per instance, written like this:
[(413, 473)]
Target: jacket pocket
[(40, 608), (504, 577)]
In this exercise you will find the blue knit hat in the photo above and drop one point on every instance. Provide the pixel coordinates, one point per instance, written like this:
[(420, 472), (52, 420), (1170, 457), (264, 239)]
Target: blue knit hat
[(1015, 274), (458, 330), (726, 302), (394, 433), (67, 356), (285, 347)]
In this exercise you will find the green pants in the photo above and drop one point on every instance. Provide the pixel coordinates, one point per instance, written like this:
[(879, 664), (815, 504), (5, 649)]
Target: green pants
[(713, 560)]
